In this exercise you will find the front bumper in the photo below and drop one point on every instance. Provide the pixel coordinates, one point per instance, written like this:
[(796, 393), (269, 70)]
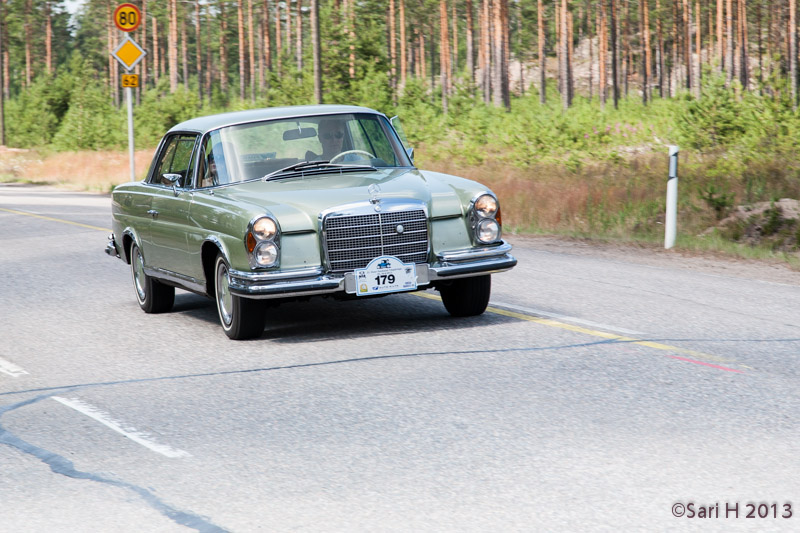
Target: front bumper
[(314, 281)]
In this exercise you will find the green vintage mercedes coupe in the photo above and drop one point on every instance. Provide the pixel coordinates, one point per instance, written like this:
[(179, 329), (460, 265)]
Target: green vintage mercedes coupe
[(285, 203)]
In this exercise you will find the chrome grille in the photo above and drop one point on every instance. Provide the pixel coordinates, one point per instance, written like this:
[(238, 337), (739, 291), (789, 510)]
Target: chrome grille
[(353, 241)]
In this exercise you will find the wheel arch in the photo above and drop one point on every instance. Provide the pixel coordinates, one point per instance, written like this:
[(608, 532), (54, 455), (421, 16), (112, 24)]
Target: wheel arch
[(208, 254), (129, 237)]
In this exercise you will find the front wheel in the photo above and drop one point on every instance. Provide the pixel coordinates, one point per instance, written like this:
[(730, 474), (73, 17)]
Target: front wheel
[(152, 295), (241, 318), (467, 296)]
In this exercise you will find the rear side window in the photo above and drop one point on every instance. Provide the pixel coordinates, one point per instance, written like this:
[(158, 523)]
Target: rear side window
[(175, 158)]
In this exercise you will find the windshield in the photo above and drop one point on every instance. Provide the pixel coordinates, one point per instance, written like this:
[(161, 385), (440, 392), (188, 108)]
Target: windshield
[(251, 151)]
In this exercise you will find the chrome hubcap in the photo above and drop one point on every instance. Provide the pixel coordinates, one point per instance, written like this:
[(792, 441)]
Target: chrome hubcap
[(224, 297), (139, 275)]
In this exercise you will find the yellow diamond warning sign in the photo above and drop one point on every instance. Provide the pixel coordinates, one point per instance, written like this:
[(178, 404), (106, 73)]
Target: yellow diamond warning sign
[(128, 53)]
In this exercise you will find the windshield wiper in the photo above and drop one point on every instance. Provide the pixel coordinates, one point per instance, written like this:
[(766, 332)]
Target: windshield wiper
[(297, 166), (310, 165)]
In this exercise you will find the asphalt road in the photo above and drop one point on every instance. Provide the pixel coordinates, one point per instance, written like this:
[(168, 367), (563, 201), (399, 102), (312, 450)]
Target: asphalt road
[(596, 394)]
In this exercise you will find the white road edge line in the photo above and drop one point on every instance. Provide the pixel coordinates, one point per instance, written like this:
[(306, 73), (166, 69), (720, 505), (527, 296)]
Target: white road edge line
[(7, 367), (565, 318), (105, 419)]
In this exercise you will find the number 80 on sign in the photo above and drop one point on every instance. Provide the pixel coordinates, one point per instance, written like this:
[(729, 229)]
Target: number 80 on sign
[(127, 17)]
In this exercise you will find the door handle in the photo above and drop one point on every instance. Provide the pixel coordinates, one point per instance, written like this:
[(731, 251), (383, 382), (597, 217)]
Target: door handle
[(153, 213)]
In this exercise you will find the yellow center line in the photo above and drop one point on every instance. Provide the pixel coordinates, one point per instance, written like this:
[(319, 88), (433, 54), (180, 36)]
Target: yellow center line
[(595, 333), (62, 221)]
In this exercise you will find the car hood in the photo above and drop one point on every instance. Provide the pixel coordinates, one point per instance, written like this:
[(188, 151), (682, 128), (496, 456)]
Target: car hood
[(297, 202)]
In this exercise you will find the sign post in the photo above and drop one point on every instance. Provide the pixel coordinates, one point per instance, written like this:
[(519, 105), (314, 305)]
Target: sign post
[(127, 18)]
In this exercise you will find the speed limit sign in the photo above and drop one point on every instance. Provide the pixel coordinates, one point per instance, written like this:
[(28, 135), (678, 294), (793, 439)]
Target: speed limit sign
[(127, 17)]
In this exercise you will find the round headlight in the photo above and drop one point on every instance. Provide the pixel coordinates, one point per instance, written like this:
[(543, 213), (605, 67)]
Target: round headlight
[(488, 231), (486, 206), (266, 254), (264, 229)]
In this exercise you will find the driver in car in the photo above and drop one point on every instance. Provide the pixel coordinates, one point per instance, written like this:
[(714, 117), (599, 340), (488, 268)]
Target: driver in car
[(331, 136)]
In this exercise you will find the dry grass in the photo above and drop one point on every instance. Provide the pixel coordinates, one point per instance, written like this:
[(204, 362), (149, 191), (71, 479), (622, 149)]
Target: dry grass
[(612, 199), (94, 171)]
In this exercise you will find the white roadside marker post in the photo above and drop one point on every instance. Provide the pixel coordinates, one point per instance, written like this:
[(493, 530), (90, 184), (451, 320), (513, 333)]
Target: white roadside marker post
[(670, 225)]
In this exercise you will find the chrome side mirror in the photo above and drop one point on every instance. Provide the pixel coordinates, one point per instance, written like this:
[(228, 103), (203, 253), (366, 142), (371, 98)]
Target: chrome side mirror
[(173, 179)]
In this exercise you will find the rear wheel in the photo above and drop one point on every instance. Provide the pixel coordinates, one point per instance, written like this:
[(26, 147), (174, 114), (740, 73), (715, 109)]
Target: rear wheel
[(241, 318), (152, 295), (467, 296)]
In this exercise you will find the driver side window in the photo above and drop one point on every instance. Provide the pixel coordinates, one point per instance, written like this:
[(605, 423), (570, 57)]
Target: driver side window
[(176, 158)]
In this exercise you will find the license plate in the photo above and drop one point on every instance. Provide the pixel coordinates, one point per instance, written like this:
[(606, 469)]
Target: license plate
[(385, 274)]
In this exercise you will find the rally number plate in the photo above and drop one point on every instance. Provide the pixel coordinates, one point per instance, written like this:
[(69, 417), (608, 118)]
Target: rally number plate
[(385, 274)]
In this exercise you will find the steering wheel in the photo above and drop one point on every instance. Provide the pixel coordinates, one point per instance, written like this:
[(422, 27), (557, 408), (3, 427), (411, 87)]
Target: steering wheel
[(360, 152)]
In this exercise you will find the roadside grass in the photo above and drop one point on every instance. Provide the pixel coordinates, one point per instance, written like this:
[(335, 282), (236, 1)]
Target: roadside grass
[(96, 171)]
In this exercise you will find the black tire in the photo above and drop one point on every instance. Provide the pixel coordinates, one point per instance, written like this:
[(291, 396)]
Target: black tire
[(152, 295), (241, 318), (467, 296)]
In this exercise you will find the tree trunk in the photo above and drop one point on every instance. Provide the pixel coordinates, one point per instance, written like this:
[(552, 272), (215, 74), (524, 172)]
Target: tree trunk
[(29, 43), (497, 54), (423, 65), (251, 50), (687, 42), (403, 45), (278, 38), (316, 51), (486, 33), (564, 55), (542, 57), (444, 47), (109, 48), (470, 42), (454, 55), (48, 39), (660, 51), (392, 47), (720, 38), (299, 36), (602, 50), (505, 29), (351, 17), (644, 8), (615, 78), (698, 67), (267, 40), (626, 46), (242, 57), (729, 40), (223, 53), (172, 46), (198, 51), (744, 70), (143, 63), (184, 54)]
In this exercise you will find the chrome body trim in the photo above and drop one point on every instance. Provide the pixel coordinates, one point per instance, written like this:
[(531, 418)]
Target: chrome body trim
[(472, 254), (179, 280)]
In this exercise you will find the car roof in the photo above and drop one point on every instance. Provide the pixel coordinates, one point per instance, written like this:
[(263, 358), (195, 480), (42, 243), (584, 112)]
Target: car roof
[(212, 122)]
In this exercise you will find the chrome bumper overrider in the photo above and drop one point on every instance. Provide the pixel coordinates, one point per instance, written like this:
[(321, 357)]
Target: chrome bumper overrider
[(313, 281), (111, 247)]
